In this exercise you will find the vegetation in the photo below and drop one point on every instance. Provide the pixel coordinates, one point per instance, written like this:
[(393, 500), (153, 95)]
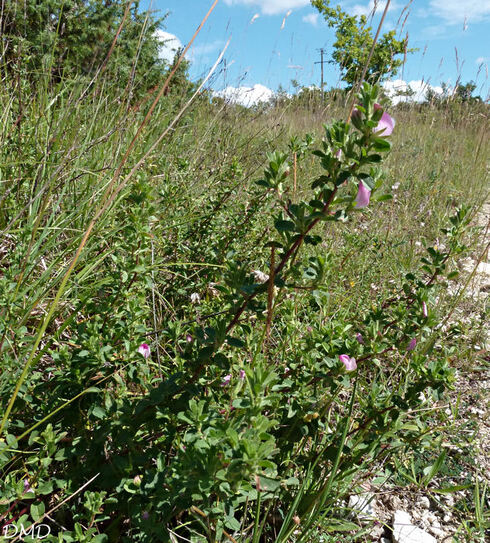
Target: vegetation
[(72, 37), (354, 41), (221, 332)]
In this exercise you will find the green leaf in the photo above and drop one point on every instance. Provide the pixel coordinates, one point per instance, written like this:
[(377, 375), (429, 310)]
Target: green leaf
[(339, 525), (285, 226), (380, 144), (431, 471), (383, 198), (98, 412), (232, 523), (37, 511), (45, 488), (11, 441), (451, 489)]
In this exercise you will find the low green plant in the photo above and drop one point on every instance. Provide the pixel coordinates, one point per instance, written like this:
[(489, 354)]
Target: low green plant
[(202, 382)]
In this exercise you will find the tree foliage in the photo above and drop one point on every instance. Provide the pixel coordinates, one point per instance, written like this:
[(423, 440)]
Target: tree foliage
[(354, 39), (73, 37)]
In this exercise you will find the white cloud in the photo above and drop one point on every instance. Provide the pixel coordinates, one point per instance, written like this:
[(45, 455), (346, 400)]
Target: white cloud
[(458, 11), (376, 6), (481, 60), (367, 9), (170, 44), (271, 7), (419, 87), (311, 18), (246, 96)]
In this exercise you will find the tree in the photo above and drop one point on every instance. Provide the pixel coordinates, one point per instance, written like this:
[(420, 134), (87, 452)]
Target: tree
[(354, 40), (465, 92), (73, 37)]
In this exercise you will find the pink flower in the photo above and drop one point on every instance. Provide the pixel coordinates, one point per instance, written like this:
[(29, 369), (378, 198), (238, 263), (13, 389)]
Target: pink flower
[(359, 338), (363, 194), (188, 338), (424, 310), (348, 361), (241, 375), (226, 380), (144, 349), (412, 344), (27, 486), (145, 515), (386, 123)]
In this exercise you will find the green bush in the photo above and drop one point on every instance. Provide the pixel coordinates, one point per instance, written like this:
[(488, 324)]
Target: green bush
[(206, 371)]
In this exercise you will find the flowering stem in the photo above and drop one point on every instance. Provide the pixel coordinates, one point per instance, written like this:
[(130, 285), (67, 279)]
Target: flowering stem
[(284, 260), (270, 295)]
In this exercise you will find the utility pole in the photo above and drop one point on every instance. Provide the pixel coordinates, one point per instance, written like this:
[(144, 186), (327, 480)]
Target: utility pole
[(322, 51)]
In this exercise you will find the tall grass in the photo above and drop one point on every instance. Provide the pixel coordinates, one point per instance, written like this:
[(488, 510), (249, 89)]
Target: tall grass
[(68, 341)]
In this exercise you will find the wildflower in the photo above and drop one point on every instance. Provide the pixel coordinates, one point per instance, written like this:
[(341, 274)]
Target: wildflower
[(241, 375), (386, 123), (412, 344), (260, 276), (27, 486), (348, 361), (359, 338), (144, 349), (363, 194), (226, 380), (424, 310), (195, 298), (145, 515), (286, 370), (188, 338)]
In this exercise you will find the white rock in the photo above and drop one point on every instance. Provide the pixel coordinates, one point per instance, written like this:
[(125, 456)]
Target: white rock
[(438, 532), (483, 267), (362, 505), (405, 532), (424, 502), (449, 499), (432, 518)]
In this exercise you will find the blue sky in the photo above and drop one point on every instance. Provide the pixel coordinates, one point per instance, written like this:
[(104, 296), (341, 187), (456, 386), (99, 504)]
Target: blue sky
[(276, 41)]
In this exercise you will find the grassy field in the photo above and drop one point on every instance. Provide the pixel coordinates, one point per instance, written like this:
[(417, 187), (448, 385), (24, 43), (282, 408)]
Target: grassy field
[(247, 430)]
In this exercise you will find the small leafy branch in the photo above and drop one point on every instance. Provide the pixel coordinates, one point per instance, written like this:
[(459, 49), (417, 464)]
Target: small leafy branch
[(351, 163)]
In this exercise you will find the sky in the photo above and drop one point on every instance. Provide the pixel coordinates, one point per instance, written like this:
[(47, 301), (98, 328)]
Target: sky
[(276, 42)]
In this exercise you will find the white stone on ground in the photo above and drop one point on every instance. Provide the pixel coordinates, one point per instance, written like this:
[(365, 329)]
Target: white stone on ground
[(405, 532), (362, 505), (423, 502)]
